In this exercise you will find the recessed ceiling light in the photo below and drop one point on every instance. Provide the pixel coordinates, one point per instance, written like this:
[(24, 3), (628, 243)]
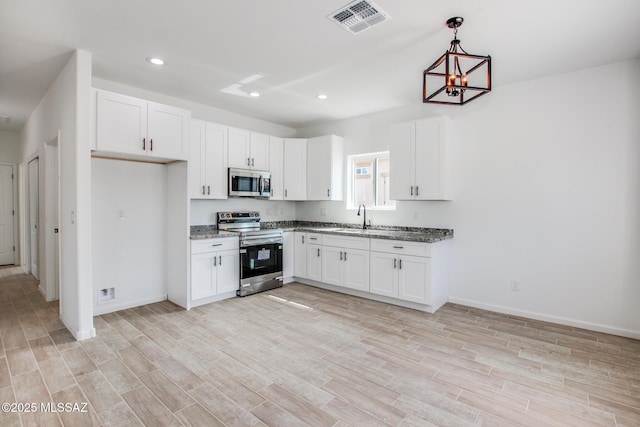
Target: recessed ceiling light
[(155, 61), (321, 96), (254, 94)]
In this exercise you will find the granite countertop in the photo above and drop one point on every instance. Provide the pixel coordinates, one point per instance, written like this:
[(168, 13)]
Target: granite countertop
[(199, 232), (409, 234)]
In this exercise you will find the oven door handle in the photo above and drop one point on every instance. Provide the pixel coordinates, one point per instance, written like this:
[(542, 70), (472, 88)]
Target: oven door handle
[(257, 242)]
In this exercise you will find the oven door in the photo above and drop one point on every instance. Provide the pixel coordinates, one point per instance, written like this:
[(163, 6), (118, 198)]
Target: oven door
[(259, 260)]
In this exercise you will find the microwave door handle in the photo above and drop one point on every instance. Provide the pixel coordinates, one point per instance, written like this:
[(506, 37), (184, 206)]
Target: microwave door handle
[(260, 185)]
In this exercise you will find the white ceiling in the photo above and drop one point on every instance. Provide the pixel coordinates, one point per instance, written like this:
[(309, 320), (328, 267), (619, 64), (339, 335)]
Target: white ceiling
[(212, 44)]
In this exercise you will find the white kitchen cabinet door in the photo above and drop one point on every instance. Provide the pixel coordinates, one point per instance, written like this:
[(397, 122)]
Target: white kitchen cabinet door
[(420, 166), (276, 159), (295, 169), (227, 271), (202, 276), (384, 275), (314, 262), (197, 160), (300, 256), (325, 168), (356, 269), (121, 123), (131, 126), (402, 163), (259, 151), (288, 256), (332, 265), (208, 161), (414, 279), (239, 149), (167, 131), (215, 162)]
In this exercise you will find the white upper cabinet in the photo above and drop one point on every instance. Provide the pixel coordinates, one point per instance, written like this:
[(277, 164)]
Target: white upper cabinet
[(134, 128), (325, 166), (248, 150), (276, 159), (208, 161), (295, 169), (420, 162)]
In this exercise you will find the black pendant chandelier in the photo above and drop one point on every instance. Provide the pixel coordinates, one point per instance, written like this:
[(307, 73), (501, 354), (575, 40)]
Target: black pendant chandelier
[(456, 77)]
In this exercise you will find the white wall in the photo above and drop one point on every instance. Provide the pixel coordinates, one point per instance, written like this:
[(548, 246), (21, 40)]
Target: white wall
[(129, 207), (66, 107), (200, 111), (546, 192), (9, 147), (203, 212)]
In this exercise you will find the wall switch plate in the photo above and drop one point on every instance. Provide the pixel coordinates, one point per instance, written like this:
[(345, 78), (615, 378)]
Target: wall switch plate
[(515, 286)]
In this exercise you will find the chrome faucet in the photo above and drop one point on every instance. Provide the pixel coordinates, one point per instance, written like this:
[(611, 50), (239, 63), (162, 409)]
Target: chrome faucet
[(364, 222)]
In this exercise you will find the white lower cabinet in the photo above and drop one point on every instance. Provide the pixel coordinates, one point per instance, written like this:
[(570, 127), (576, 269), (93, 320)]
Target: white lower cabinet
[(215, 271), (401, 270), (412, 274), (300, 257), (288, 254), (345, 262), (400, 276)]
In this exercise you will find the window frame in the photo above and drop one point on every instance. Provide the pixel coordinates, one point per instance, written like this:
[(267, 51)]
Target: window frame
[(351, 171)]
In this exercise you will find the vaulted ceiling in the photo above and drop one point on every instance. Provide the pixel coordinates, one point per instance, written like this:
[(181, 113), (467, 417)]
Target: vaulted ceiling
[(211, 45)]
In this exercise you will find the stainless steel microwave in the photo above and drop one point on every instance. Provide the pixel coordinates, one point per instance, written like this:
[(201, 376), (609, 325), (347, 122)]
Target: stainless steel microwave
[(249, 183)]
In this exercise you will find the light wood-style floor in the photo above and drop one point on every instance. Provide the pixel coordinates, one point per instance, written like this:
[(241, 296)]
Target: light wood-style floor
[(304, 356)]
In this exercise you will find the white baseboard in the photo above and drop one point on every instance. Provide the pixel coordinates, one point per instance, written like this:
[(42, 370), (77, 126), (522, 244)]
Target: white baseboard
[(78, 335), (115, 306), (548, 318)]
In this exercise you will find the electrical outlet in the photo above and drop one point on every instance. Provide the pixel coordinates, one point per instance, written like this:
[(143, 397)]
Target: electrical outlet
[(515, 286), (107, 294)]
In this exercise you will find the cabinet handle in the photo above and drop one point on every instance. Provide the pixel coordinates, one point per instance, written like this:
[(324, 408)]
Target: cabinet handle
[(412, 190), (303, 240), (215, 261), (248, 161), (318, 252), (345, 255), (417, 190), (203, 190), (217, 244), (313, 238), (328, 192), (151, 144), (340, 255), (285, 192), (395, 263), (208, 190), (253, 161), (398, 247), (220, 260), (144, 144), (400, 265)]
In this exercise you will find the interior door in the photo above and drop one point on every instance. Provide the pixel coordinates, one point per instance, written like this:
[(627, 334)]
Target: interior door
[(6, 215), (33, 217)]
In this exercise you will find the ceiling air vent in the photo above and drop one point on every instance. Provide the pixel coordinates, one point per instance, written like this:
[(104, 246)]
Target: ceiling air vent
[(359, 16)]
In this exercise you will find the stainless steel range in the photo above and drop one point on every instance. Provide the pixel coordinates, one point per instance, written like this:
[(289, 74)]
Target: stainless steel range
[(260, 251)]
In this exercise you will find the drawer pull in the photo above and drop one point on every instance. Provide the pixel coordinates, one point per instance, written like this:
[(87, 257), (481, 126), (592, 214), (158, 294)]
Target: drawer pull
[(313, 238), (398, 247), (217, 244)]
